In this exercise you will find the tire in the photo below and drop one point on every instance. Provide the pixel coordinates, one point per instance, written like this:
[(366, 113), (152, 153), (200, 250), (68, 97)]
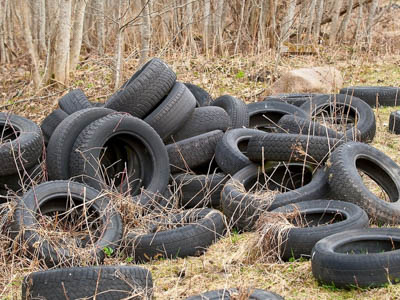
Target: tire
[(193, 152), (362, 258), (96, 104), (102, 283), (236, 109), (21, 144), (290, 147), (55, 197), (173, 111), (62, 140), (347, 184), (225, 294), (294, 99), (320, 218), (199, 229), (23, 180), (394, 122), (74, 101), (231, 150), (203, 98), (50, 123), (139, 147), (203, 120), (242, 208), (384, 95), (196, 191), (265, 115), (146, 88), (355, 109)]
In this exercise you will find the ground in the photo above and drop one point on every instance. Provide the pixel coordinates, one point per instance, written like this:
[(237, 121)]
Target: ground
[(225, 263)]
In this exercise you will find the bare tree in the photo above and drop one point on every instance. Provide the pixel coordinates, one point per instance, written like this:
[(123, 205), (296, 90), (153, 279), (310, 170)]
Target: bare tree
[(77, 33), (370, 20), (287, 21), (335, 21), (219, 25), (145, 32), (206, 37), (118, 46), (99, 8)]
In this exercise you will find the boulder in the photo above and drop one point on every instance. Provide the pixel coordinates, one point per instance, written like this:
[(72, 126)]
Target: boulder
[(323, 80)]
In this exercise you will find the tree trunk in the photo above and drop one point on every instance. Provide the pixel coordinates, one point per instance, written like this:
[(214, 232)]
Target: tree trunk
[(219, 26), (346, 19), (42, 28), (26, 17), (240, 26), (206, 25), (335, 21), (189, 18), (118, 48), (372, 10), (319, 11), (61, 67), (77, 31), (145, 33), (310, 21), (99, 7), (359, 22), (262, 21), (287, 21)]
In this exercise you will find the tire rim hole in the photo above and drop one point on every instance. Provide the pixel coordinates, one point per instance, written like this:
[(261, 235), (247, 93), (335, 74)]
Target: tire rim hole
[(314, 219), (338, 117), (368, 246), (8, 133), (266, 121)]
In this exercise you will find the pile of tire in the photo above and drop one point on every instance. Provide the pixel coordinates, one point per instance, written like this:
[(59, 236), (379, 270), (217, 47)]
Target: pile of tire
[(219, 163)]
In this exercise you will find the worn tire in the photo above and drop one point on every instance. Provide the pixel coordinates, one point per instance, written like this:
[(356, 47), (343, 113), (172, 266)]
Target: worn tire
[(361, 258), (62, 140), (225, 294), (321, 218), (21, 144), (102, 283), (231, 150), (203, 120), (144, 90), (60, 196), (73, 101), (200, 228), (199, 190), (50, 123), (265, 115), (394, 122), (236, 109), (173, 111), (383, 95), (142, 150), (193, 152), (242, 208), (356, 109), (23, 179), (347, 184), (294, 99), (290, 147), (203, 98)]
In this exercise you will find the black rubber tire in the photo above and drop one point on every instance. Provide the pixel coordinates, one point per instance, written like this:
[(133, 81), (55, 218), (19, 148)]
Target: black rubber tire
[(144, 90), (231, 150), (225, 294), (236, 109), (63, 138), (193, 152), (142, 150), (203, 120), (361, 258), (196, 191), (290, 147), (74, 101), (21, 143), (102, 283), (295, 125), (385, 95), (60, 196), (50, 123), (96, 104), (23, 180), (265, 115), (173, 111), (318, 216), (242, 208), (355, 108), (294, 99), (203, 98), (199, 229), (394, 122), (346, 183)]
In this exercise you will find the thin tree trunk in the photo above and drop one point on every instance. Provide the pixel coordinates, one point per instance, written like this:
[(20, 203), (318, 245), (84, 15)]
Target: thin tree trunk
[(87, 21), (287, 21), (310, 20), (240, 26), (35, 7), (145, 33), (359, 22), (61, 67), (261, 27), (319, 11), (370, 21), (346, 19), (77, 31), (99, 6), (42, 27), (26, 17), (206, 25), (219, 26), (118, 50), (3, 11), (189, 18), (272, 27), (335, 21)]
